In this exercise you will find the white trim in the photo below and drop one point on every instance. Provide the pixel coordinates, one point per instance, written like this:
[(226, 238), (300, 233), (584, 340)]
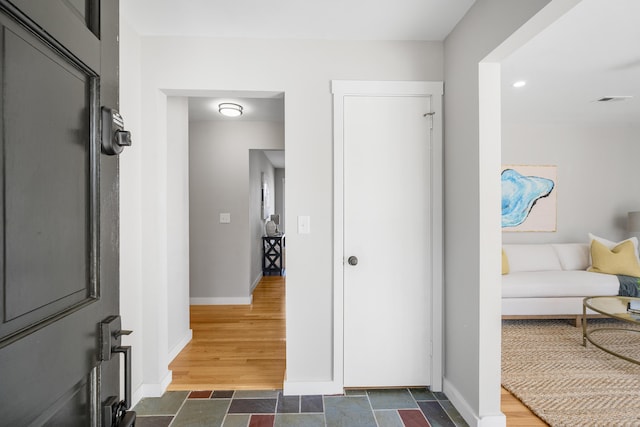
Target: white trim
[(157, 390), (498, 420), (255, 283), (340, 88), (292, 388), (489, 143), (182, 344), (465, 410), (222, 301), (437, 242)]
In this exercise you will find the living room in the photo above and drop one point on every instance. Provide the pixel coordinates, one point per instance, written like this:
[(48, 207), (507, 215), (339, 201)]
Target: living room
[(577, 117)]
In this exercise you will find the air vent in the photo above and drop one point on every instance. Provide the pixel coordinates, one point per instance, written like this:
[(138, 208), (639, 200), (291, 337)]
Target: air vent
[(614, 98)]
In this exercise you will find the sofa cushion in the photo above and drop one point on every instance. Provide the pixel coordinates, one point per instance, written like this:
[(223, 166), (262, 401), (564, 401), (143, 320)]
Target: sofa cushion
[(572, 256), (572, 283), (621, 259), (532, 257)]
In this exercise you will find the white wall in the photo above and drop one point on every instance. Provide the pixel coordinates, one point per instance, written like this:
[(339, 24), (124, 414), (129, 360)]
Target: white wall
[(303, 70), (598, 176), (222, 270), (130, 207), (472, 230), (179, 333)]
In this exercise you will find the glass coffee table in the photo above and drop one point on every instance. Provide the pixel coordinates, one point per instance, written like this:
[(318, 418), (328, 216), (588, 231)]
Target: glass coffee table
[(613, 307)]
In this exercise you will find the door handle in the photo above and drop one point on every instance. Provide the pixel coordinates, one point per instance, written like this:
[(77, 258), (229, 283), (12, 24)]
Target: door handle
[(126, 350), (115, 412), (352, 260)]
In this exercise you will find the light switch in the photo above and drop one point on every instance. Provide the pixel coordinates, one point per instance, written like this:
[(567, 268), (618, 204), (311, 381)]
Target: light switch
[(225, 218), (304, 224)]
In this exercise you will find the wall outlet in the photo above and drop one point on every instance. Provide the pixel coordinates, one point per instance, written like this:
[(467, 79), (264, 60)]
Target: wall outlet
[(225, 218)]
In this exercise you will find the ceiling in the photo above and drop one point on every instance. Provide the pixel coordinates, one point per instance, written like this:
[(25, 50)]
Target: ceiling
[(298, 19), (276, 157), (290, 19), (591, 52)]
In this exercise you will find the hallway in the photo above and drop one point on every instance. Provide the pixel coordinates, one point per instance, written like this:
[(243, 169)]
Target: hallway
[(236, 347)]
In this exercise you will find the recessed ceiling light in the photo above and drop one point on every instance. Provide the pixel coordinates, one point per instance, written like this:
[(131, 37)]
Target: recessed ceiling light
[(230, 109), (520, 83)]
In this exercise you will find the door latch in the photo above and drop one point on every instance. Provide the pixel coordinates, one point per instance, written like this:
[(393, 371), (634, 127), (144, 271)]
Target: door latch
[(114, 137)]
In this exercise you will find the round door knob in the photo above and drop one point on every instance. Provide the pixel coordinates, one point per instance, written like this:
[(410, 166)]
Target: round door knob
[(352, 260)]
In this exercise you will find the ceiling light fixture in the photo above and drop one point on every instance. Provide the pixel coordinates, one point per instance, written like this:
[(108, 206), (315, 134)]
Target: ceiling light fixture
[(520, 83), (230, 109)]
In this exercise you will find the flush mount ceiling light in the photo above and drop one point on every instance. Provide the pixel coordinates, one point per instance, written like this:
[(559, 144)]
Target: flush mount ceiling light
[(230, 109), (520, 83)]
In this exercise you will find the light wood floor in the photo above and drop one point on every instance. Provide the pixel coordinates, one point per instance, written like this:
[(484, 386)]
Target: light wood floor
[(236, 347), (242, 347), (517, 414)]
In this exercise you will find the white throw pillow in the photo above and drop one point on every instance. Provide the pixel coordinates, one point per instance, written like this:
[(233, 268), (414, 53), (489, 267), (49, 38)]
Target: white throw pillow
[(611, 244)]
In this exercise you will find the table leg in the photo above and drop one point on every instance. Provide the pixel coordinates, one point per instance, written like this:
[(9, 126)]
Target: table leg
[(584, 324)]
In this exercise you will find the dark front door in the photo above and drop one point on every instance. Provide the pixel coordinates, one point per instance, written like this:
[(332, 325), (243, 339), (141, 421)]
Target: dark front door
[(59, 211)]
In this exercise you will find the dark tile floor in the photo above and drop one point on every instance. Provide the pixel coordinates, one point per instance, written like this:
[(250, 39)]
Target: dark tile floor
[(414, 407)]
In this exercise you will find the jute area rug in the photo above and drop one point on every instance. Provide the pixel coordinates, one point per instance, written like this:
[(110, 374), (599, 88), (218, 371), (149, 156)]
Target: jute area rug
[(545, 366)]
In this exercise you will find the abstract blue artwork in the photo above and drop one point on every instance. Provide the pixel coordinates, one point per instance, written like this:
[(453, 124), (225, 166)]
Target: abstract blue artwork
[(520, 194)]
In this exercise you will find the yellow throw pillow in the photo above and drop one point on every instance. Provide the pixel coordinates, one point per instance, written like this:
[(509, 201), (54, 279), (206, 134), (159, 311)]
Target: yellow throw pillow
[(505, 263), (621, 259)]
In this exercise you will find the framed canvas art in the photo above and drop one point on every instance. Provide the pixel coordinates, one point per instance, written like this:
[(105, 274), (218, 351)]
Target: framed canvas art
[(529, 199)]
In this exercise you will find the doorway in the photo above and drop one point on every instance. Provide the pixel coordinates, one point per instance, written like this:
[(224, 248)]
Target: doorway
[(226, 160)]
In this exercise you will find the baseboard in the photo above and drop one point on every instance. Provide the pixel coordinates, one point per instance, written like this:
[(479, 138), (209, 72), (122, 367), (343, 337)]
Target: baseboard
[(311, 388), (499, 420), (137, 396), (469, 415), (178, 347), (221, 301), (255, 283), (157, 390)]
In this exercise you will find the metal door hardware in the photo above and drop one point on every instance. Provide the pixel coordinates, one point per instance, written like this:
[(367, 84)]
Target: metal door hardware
[(115, 412), (352, 260), (114, 137)]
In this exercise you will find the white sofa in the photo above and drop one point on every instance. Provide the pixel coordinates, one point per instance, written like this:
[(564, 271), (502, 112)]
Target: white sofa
[(550, 281)]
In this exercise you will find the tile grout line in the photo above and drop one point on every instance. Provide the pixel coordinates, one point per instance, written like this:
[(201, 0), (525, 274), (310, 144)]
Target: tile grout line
[(373, 413), (228, 407), (179, 409), (275, 411), (324, 411)]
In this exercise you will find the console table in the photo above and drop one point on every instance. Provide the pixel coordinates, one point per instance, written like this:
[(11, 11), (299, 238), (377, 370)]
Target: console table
[(272, 259)]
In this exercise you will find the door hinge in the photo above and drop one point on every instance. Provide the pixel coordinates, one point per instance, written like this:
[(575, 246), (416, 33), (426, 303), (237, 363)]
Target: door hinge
[(430, 115)]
